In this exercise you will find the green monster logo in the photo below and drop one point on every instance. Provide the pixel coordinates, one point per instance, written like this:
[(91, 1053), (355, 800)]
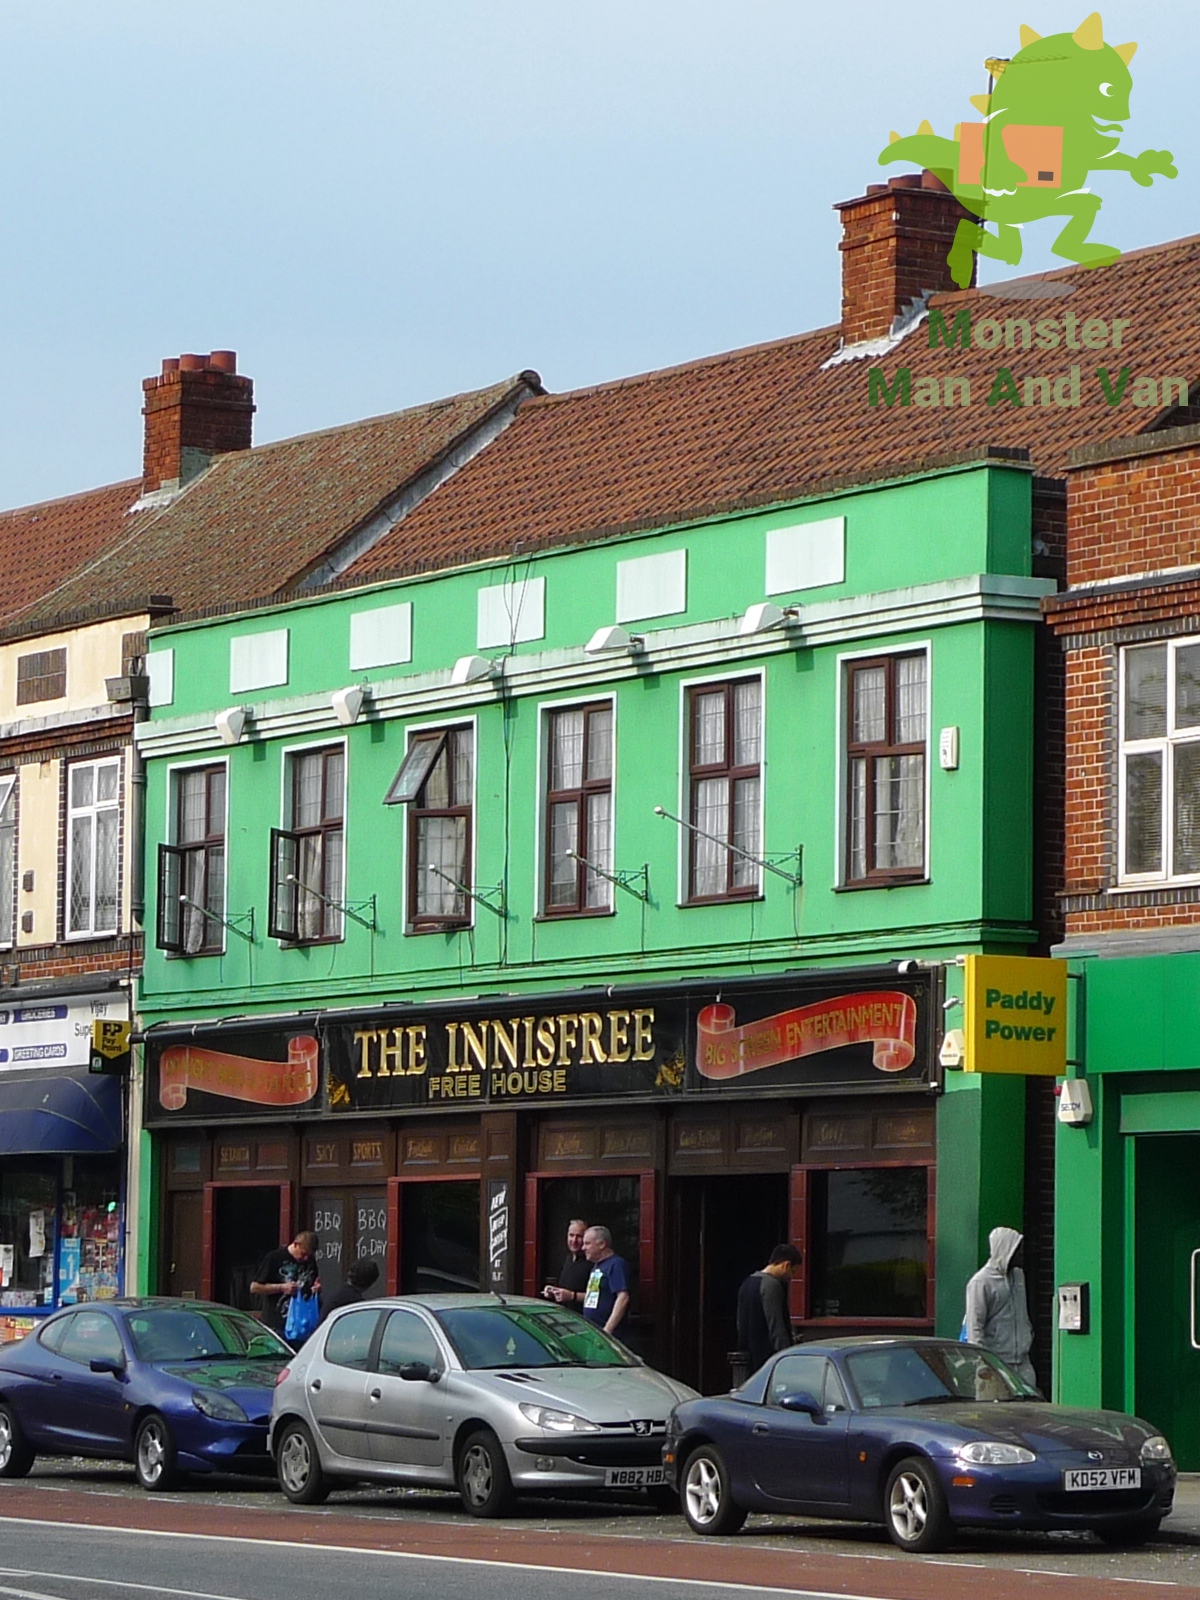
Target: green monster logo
[(1054, 115)]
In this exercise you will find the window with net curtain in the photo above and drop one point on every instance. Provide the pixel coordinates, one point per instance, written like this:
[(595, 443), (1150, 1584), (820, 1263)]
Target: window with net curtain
[(437, 782), (579, 819), (8, 856), (887, 737), (1160, 761), (93, 846), (725, 788), (318, 784), (200, 839)]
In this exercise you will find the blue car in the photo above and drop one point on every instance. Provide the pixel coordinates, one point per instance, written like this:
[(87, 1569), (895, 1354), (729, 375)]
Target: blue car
[(172, 1385), (922, 1435)]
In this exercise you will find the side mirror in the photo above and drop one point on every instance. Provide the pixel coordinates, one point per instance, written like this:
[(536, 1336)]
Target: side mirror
[(107, 1364), (801, 1401), (419, 1372)]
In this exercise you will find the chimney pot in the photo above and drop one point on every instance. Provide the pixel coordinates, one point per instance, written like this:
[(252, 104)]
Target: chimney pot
[(223, 361), (193, 363), (170, 365), (198, 409), (895, 240)]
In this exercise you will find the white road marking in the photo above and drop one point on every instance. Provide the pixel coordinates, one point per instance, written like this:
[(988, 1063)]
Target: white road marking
[(114, 1583), (406, 1555)]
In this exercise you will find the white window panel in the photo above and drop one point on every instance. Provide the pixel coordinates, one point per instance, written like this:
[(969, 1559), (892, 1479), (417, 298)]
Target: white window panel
[(381, 638), (806, 557), (511, 613), (1160, 762), (93, 847), (160, 669), (258, 661), (652, 586)]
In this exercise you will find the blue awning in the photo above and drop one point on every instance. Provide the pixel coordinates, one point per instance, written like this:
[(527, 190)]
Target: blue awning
[(71, 1113)]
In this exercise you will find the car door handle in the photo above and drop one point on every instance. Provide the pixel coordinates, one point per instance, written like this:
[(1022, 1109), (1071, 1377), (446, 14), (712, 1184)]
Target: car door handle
[(761, 1427), (315, 1384), (376, 1394), (56, 1377)]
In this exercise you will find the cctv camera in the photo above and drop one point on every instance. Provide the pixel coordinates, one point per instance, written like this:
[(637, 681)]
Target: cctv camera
[(908, 967)]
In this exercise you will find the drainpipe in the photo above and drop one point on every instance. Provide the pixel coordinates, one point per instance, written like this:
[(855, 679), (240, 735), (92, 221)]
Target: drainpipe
[(134, 691)]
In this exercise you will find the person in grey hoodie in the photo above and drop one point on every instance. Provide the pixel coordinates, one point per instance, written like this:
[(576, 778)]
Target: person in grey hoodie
[(997, 1312)]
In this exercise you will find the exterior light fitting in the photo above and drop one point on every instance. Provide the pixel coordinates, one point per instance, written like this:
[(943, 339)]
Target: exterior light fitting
[(606, 640), (473, 669), (764, 616), (231, 724), (348, 703)]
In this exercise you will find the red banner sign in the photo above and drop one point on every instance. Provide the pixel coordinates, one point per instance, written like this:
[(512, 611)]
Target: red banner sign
[(263, 1083), (885, 1018)]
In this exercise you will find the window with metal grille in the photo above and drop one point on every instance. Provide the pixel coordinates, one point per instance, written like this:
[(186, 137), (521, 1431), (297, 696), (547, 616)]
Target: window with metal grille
[(308, 857), (436, 781), (8, 855), (725, 790), (93, 847), (191, 871), (1160, 762), (579, 814), (41, 676), (886, 736)]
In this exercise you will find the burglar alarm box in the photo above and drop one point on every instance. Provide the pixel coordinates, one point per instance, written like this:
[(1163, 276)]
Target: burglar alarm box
[(1073, 1308)]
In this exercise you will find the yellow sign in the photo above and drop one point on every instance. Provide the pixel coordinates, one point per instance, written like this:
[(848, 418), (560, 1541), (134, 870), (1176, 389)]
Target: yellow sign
[(1015, 1016), (110, 1039)]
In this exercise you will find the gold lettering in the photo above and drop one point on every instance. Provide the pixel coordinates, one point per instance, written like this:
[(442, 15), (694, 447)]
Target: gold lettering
[(452, 1061), (527, 1042), (416, 1050), (475, 1041), (545, 1039), (618, 1036), (503, 1043), (391, 1050), (592, 1049), (363, 1040), (568, 1033), (643, 1036)]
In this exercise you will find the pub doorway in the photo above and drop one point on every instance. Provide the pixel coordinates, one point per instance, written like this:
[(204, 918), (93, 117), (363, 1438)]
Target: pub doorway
[(436, 1225), (721, 1229), (247, 1220)]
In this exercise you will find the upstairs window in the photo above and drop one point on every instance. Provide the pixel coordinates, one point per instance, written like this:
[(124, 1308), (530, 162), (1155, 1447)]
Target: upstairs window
[(886, 736), (1160, 761), (436, 781), (579, 816), (725, 772), (8, 855), (41, 676), (191, 872), (93, 847), (308, 857)]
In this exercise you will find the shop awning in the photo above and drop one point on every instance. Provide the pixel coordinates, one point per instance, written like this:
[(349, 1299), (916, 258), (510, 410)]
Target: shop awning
[(69, 1113)]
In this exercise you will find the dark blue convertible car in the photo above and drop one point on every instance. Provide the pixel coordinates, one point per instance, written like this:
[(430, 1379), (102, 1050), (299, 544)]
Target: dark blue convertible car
[(923, 1435), (171, 1385)]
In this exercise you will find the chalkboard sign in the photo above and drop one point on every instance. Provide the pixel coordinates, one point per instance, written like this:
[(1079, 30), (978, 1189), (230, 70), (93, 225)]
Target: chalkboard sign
[(370, 1231), (327, 1218), (498, 1221)]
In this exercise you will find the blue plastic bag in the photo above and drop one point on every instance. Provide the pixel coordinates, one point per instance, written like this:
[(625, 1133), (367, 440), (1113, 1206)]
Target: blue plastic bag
[(303, 1314)]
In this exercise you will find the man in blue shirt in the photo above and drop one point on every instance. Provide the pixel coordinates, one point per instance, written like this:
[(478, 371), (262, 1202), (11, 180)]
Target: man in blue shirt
[(606, 1299)]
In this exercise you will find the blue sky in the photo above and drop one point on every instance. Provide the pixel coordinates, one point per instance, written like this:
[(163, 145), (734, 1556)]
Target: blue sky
[(376, 202)]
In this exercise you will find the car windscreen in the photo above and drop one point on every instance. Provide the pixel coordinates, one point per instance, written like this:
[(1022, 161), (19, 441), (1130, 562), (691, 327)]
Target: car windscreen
[(912, 1375), (192, 1333), (514, 1336)]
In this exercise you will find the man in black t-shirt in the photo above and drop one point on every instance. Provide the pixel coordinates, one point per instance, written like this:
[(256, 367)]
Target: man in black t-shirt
[(764, 1323), (574, 1273), (290, 1269)]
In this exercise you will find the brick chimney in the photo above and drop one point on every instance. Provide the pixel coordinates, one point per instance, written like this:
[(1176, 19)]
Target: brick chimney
[(895, 240), (197, 409)]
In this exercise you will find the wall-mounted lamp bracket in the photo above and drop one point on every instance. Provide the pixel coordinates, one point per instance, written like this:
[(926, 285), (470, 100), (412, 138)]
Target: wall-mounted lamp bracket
[(349, 908), (623, 880), (230, 922), (483, 897), (769, 863)]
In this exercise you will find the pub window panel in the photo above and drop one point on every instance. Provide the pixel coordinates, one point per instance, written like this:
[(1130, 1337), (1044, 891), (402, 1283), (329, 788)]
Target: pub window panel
[(8, 856), (725, 773), (1160, 761), (191, 872), (308, 857), (869, 1243), (41, 676), (579, 812), (885, 778), (93, 847), (436, 781)]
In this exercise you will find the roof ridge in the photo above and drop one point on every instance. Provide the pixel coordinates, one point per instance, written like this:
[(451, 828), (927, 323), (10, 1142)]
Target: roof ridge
[(65, 499)]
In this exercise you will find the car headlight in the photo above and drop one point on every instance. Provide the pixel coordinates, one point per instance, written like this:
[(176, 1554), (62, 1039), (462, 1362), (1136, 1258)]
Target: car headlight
[(557, 1421), (1156, 1449), (990, 1453), (218, 1406)]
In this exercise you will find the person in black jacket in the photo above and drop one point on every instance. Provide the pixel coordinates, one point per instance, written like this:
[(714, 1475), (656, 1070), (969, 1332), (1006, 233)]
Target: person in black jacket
[(358, 1280), (570, 1288), (764, 1323)]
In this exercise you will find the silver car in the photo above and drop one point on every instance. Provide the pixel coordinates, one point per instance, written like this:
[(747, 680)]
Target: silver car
[(492, 1395)]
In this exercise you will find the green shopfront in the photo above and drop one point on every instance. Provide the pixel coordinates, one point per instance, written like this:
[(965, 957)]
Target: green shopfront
[(1129, 1195)]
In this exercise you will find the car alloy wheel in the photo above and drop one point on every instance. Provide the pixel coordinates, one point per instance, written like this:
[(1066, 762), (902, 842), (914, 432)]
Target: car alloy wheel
[(154, 1454), (16, 1457), (299, 1468), (707, 1502), (915, 1507), (483, 1477)]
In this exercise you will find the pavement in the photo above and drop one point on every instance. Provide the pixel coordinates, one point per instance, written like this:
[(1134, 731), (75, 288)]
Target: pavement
[(1184, 1522)]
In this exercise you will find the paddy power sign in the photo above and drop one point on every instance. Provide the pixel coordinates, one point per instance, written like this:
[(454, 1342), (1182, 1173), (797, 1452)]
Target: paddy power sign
[(1015, 1016), (781, 1037)]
